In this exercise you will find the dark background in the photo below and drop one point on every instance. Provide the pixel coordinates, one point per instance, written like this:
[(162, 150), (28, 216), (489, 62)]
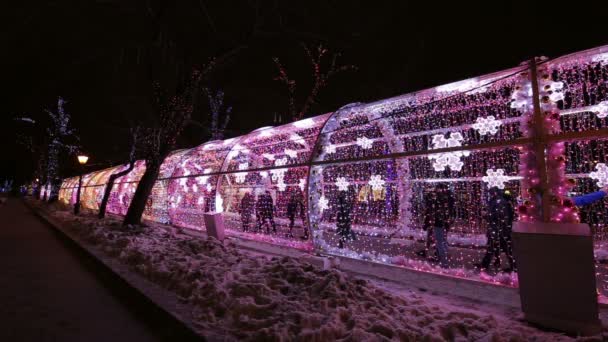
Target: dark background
[(102, 56)]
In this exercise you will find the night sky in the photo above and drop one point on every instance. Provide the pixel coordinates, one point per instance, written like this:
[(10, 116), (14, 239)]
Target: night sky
[(100, 56)]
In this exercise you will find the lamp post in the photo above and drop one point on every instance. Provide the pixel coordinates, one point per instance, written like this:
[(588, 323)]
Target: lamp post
[(82, 159)]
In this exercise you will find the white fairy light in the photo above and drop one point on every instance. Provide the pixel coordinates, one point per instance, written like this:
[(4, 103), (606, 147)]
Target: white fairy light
[(194, 188), (297, 139), (239, 177), (330, 149), (266, 133), (209, 187), (323, 203), (342, 184), (495, 178), (602, 110), (264, 174), (302, 184), (291, 153), (600, 174), (487, 125), (278, 174), (306, 123), (281, 186), (268, 156), (365, 143), (280, 162), (201, 200), (450, 159), (202, 179), (376, 182)]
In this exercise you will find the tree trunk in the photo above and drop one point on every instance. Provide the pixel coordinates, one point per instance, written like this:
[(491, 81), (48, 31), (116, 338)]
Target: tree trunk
[(144, 188), (108, 189), (54, 193)]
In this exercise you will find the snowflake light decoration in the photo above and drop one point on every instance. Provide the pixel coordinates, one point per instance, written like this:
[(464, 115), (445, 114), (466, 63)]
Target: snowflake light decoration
[(201, 200), (323, 203), (202, 179), (342, 184), (209, 187), (291, 153), (306, 123), (487, 125), (264, 174), (376, 182), (441, 161), (365, 143), (495, 178), (330, 149), (602, 110), (297, 139), (278, 175), (280, 162), (281, 186), (600, 174), (266, 133), (268, 156), (302, 184), (240, 176)]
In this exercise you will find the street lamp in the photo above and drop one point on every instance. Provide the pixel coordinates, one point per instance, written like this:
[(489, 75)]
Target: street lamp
[(82, 159)]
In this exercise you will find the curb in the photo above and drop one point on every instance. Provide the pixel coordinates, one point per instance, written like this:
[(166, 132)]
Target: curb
[(151, 296)]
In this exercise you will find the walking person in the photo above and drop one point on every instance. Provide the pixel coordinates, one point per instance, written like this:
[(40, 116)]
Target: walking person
[(439, 213), (247, 208), (295, 206), (343, 221), (265, 211), (500, 221)]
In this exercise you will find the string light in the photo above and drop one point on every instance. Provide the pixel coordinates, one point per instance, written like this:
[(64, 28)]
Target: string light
[(487, 125), (386, 196), (600, 174)]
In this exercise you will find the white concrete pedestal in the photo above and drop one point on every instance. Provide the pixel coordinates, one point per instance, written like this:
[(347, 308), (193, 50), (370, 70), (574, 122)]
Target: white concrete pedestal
[(556, 273), (214, 224)]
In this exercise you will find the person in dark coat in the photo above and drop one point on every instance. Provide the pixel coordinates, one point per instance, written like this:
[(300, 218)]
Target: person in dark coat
[(500, 220), (343, 221), (439, 212), (247, 209), (295, 206), (265, 211)]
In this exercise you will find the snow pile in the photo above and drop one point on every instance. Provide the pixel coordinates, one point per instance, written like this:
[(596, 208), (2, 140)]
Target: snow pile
[(247, 297)]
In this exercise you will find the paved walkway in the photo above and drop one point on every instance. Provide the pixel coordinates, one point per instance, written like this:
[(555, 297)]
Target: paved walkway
[(48, 292)]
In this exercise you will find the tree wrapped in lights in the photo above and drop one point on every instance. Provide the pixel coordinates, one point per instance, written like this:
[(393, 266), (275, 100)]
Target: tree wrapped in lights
[(216, 103), (134, 135), (174, 113), (61, 138), (321, 75)]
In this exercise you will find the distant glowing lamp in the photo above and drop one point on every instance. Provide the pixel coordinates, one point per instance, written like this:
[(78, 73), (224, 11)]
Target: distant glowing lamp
[(82, 159)]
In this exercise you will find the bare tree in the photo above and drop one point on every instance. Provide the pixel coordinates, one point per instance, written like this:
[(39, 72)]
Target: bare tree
[(321, 74), (216, 111), (174, 113), (134, 132)]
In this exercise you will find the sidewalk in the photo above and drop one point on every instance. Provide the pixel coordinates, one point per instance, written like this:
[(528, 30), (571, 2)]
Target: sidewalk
[(50, 293)]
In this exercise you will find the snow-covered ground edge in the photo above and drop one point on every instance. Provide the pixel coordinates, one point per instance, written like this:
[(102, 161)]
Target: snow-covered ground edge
[(159, 296), (256, 297)]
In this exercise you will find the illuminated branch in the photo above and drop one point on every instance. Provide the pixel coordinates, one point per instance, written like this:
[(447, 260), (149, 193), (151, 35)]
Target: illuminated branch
[(320, 79)]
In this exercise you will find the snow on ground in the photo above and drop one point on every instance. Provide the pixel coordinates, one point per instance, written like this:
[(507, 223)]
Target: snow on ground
[(251, 297)]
